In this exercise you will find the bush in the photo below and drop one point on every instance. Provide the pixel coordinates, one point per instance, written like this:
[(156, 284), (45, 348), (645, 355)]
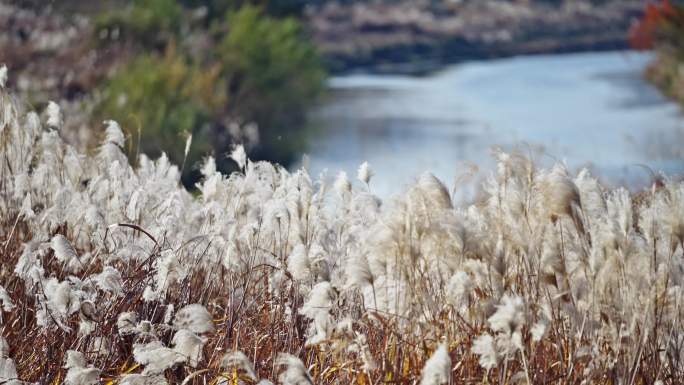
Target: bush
[(273, 75), (270, 73), (150, 22), (662, 28), (272, 7), (167, 98)]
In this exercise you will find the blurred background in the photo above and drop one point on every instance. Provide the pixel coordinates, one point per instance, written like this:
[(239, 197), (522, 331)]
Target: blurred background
[(407, 85)]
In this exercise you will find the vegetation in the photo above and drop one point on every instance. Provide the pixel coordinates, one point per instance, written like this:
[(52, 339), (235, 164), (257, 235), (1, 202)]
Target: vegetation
[(150, 22), (162, 100), (662, 29), (117, 274), (272, 76), (253, 69)]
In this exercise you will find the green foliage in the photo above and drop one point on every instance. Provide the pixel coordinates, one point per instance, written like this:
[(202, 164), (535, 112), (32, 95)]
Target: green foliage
[(274, 74), (165, 98), (218, 8), (263, 65), (670, 33), (662, 28), (150, 22)]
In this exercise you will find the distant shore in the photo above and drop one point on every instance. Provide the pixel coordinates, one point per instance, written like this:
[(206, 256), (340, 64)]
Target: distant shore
[(414, 38)]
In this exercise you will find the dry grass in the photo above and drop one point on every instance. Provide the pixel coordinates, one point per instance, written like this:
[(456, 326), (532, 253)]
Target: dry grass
[(574, 283)]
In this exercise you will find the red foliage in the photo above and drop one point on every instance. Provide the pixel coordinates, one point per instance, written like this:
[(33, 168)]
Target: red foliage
[(643, 34)]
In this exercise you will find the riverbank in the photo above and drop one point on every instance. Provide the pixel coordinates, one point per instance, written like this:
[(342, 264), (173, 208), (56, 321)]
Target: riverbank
[(388, 37), (415, 37)]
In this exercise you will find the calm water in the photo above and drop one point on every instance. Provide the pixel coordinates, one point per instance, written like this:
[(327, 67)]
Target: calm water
[(589, 110)]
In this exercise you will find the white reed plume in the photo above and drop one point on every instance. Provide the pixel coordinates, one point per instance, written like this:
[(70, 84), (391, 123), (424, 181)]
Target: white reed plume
[(188, 143), (189, 345), (4, 348), (61, 302), (359, 272), (101, 346), (110, 280), (320, 300), (295, 372), (142, 379), (113, 133), (538, 330), (54, 114), (156, 357), (64, 252), (26, 210), (78, 373), (239, 360), (561, 196), (317, 308), (342, 185), (126, 323), (170, 270), (460, 285), (5, 300), (195, 318), (239, 156), (3, 76), (485, 347), (365, 173), (437, 369), (509, 316), (299, 264), (433, 190), (8, 370), (168, 313)]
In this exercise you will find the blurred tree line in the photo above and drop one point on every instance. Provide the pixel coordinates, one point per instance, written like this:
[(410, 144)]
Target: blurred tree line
[(223, 71)]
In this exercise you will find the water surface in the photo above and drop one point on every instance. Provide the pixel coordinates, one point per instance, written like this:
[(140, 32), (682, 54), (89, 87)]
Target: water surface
[(589, 110)]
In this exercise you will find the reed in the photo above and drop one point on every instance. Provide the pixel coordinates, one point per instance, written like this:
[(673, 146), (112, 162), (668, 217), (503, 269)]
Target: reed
[(116, 274)]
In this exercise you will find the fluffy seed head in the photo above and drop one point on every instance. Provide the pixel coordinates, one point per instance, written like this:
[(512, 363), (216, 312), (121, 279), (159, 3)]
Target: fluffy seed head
[(3, 76), (5, 301), (195, 318), (54, 114), (485, 347), (437, 369), (509, 315), (239, 359), (8, 370), (156, 357), (188, 345), (63, 249), (559, 192), (239, 156), (113, 133), (295, 372), (4, 348), (126, 323), (365, 173), (342, 184)]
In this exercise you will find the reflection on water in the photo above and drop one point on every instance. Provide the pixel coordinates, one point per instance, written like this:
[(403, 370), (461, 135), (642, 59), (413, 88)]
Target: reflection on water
[(590, 110)]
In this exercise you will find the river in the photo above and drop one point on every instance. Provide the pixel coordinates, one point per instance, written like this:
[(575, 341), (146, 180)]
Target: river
[(589, 110)]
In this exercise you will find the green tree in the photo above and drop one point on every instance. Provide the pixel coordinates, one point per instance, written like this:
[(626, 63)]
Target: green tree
[(255, 69), (159, 101), (150, 22), (273, 74)]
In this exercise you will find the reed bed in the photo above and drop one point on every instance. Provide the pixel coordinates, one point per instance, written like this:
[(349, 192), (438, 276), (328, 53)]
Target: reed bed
[(113, 273)]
